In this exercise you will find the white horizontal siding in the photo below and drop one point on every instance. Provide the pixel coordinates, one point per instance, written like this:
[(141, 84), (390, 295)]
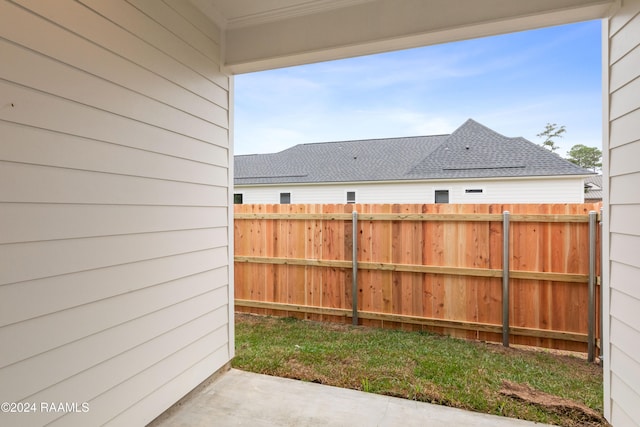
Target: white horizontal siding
[(42, 111), (624, 159), (626, 368), (629, 289), (114, 184), (23, 144), (623, 71), (560, 190), (52, 221), (48, 184), (51, 331), (624, 250), (620, 185), (623, 100), (174, 366), (127, 32), (624, 309), (621, 417), (163, 314), (130, 374), (622, 355), (624, 219), (48, 75), (64, 256), (75, 289), (626, 401)]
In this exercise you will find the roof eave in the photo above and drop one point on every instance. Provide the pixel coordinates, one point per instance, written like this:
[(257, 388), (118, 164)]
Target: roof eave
[(419, 180)]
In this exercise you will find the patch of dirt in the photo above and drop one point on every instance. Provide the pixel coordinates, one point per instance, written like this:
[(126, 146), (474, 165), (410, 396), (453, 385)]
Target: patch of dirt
[(299, 371), (575, 360), (254, 319), (260, 319), (578, 412)]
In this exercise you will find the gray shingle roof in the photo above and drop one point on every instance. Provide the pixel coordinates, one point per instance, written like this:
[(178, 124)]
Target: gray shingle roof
[(471, 151), (593, 187)]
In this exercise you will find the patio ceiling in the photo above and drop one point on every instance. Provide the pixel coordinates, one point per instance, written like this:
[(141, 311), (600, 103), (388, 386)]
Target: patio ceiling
[(265, 34)]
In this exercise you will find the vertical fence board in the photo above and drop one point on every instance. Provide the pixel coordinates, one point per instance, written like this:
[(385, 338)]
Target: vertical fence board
[(297, 284), (347, 254), (435, 256), (384, 254), (490, 295), (367, 280), (313, 250)]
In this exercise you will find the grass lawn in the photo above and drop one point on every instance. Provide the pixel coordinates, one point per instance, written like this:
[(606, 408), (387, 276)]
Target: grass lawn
[(424, 367)]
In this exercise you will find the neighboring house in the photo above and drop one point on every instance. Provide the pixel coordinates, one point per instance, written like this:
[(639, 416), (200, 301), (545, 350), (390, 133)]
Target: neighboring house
[(474, 164), (116, 142), (593, 189)]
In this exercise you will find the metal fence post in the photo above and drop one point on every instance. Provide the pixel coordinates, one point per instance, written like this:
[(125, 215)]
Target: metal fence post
[(505, 278), (601, 357), (354, 284), (593, 215)]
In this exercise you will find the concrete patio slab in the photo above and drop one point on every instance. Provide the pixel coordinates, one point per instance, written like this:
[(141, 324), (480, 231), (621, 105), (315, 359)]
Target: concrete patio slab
[(239, 398)]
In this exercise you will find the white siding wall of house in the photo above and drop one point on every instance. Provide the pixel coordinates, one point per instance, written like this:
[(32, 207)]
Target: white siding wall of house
[(115, 283), (622, 324), (551, 190)]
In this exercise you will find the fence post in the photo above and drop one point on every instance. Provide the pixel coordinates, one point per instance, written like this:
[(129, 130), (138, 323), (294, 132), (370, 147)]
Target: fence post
[(600, 355), (505, 278), (592, 287), (354, 284)]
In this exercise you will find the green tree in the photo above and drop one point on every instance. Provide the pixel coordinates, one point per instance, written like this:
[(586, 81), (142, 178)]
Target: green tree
[(550, 132), (587, 157)]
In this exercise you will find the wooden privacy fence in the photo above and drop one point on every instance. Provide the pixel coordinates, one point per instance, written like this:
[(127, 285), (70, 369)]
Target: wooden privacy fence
[(436, 267)]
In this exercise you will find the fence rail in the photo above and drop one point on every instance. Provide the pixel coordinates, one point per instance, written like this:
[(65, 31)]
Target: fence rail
[(418, 217), (413, 268), (435, 267)]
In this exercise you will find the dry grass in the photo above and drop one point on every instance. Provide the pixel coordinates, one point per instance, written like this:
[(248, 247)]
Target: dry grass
[(420, 366)]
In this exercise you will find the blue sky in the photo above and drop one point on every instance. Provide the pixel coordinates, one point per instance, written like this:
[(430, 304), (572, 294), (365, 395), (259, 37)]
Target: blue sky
[(515, 84)]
